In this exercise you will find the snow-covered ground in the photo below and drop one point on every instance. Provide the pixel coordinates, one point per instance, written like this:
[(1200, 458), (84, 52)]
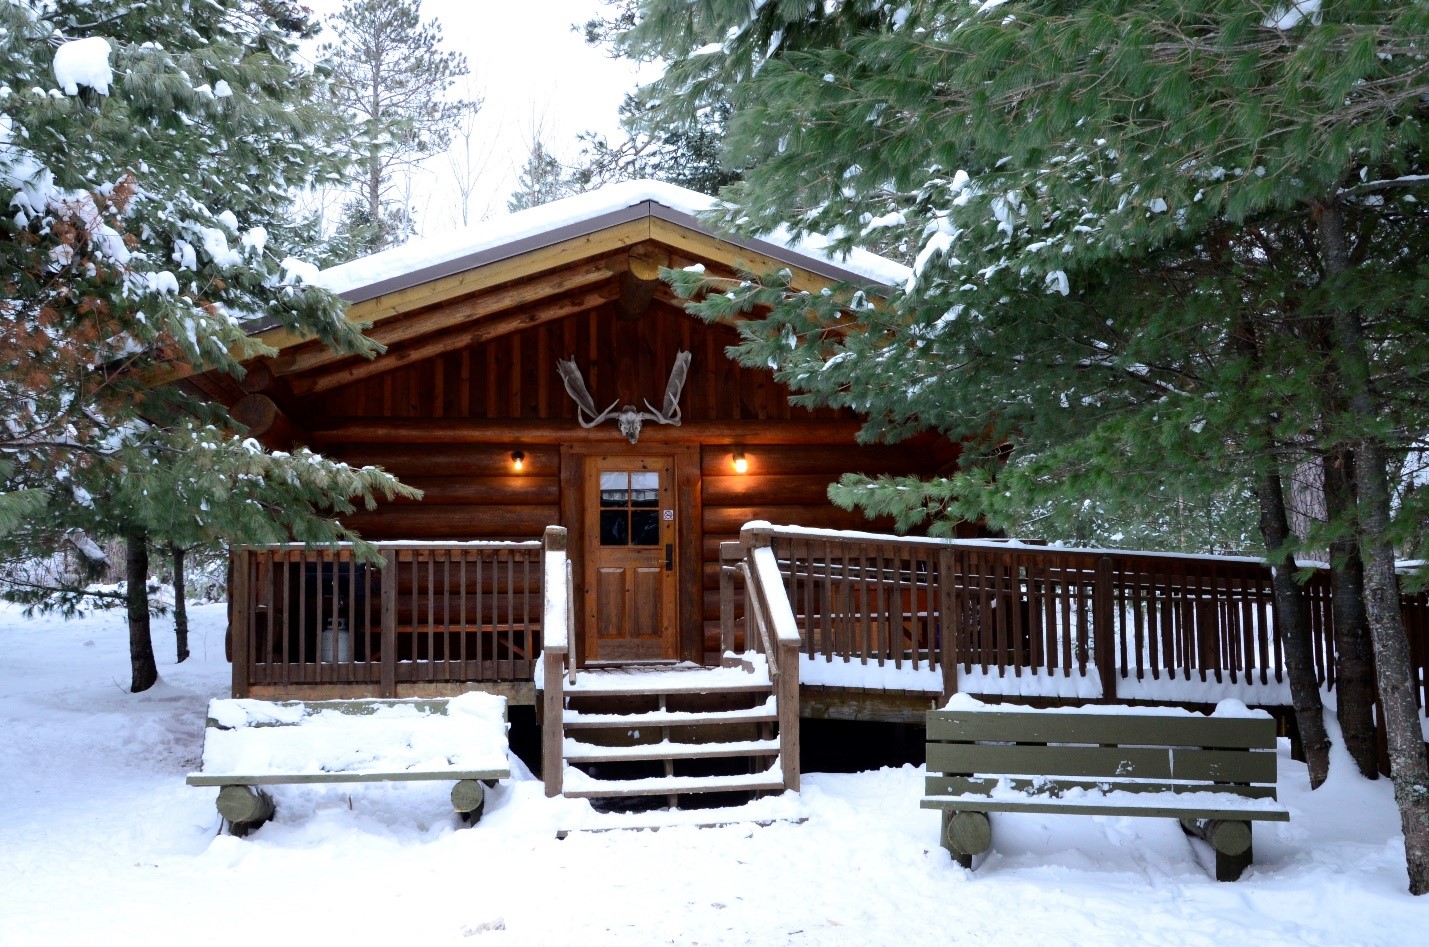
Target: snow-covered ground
[(101, 842)]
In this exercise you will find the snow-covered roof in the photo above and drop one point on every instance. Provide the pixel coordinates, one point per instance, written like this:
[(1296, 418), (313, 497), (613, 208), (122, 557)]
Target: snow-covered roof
[(433, 258)]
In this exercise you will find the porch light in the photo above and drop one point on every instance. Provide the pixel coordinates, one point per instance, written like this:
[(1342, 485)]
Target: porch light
[(740, 464), (518, 460)]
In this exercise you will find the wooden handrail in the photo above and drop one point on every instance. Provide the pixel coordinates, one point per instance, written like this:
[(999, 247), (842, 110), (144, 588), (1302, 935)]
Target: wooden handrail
[(779, 635), (556, 635)]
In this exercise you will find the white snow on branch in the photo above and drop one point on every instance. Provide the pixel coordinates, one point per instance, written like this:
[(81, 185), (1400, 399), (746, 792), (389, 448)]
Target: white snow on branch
[(1287, 18), (84, 62)]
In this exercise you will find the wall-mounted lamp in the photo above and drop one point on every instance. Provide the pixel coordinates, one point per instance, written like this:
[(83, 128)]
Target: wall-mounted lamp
[(741, 465), (518, 460)]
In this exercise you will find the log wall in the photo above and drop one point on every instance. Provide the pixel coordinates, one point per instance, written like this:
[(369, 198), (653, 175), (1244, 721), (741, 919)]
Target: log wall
[(506, 387)]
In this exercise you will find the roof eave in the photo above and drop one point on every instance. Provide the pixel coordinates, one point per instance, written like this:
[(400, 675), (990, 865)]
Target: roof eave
[(577, 229)]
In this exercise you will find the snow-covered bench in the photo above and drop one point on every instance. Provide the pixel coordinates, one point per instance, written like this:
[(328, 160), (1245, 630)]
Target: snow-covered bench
[(254, 743), (1215, 773)]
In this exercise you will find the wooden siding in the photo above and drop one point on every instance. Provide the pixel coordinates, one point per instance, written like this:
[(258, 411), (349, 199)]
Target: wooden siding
[(623, 360), (448, 425)]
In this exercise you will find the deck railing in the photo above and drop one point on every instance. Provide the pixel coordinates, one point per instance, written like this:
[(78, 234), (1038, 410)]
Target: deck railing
[(926, 615), (749, 574), (429, 613), (558, 607)]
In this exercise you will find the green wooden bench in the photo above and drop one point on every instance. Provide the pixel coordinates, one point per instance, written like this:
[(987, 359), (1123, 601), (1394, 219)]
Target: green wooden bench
[(1214, 773), (249, 744)]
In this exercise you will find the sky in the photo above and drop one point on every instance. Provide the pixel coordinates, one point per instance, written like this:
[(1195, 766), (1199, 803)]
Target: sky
[(533, 73)]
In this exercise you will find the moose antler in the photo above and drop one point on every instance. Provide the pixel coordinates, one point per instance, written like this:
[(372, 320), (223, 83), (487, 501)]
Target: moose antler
[(670, 408), (629, 418), (575, 387)]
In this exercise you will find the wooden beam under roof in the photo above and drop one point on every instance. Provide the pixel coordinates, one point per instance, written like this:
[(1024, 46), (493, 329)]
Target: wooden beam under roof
[(448, 315), (423, 431), (707, 247), (463, 337)]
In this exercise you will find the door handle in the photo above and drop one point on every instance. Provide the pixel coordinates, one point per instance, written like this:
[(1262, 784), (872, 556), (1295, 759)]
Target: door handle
[(669, 557)]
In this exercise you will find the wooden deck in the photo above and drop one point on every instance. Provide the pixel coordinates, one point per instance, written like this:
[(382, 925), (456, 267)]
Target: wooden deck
[(886, 625), (890, 621)]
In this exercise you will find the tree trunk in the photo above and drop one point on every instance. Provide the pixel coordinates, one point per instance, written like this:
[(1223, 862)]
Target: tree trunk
[(1354, 668), (1408, 765), (181, 610), (144, 672), (1293, 620)]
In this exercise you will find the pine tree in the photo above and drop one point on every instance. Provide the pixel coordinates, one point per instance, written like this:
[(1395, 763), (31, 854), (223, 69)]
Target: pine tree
[(688, 154), (543, 179), (149, 225), (1152, 243), (393, 76)]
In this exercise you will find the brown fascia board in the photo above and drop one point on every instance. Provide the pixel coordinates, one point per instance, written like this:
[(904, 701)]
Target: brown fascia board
[(583, 228)]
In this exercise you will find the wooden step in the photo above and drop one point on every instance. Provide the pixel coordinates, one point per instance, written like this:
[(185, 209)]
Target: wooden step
[(639, 682), (580, 786), (766, 712), (591, 753)]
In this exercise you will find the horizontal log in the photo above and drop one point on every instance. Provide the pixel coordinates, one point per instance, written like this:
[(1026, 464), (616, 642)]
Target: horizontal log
[(752, 489), (447, 314), (453, 522), (815, 456), (244, 807), (513, 491), (417, 350), (450, 460), (266, 422), (967, 833), (515, 433), (469, 797), (725, 519), (1226, 837)]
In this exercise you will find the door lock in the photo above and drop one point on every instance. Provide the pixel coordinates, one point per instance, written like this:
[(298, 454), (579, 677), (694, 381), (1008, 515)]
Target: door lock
[(669, 557)]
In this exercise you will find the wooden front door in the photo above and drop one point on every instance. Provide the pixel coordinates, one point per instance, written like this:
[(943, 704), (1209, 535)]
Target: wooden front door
[(630, 555)]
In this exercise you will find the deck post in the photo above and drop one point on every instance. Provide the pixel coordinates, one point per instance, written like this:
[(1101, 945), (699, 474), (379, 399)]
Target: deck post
[(388, 687), (1102, 620), (240, 619), (787, 688), (784, 662), (555, 646), (948, 630), (728, 553)]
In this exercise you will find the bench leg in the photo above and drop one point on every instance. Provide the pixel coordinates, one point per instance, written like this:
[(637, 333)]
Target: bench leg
[(469, 800), (1230, 867), (965, 834), (1231, 841), (245, 808)]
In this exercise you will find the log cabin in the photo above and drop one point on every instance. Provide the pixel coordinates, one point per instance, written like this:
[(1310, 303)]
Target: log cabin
[(593, 538)]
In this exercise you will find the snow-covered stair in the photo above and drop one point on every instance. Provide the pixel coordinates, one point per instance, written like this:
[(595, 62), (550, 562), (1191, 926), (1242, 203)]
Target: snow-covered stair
[(671, 736)]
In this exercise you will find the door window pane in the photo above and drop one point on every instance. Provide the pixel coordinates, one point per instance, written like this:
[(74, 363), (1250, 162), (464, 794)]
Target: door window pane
[(614, 488), (644, 527), (645, 489), (614, 528)]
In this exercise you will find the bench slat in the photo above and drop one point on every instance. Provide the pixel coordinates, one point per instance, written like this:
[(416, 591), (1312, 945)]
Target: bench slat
[(275, 779), (1235, 766), (970, 785), (1022, 726), (1057, 807)]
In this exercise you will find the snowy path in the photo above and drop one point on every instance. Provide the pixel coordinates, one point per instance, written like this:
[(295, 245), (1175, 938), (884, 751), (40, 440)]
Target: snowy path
[(101, 842)]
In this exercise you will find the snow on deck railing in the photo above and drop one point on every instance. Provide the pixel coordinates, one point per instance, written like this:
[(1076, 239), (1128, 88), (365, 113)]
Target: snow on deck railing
[(1009, 618), (555, 605), (771, 581), (813, 532)]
